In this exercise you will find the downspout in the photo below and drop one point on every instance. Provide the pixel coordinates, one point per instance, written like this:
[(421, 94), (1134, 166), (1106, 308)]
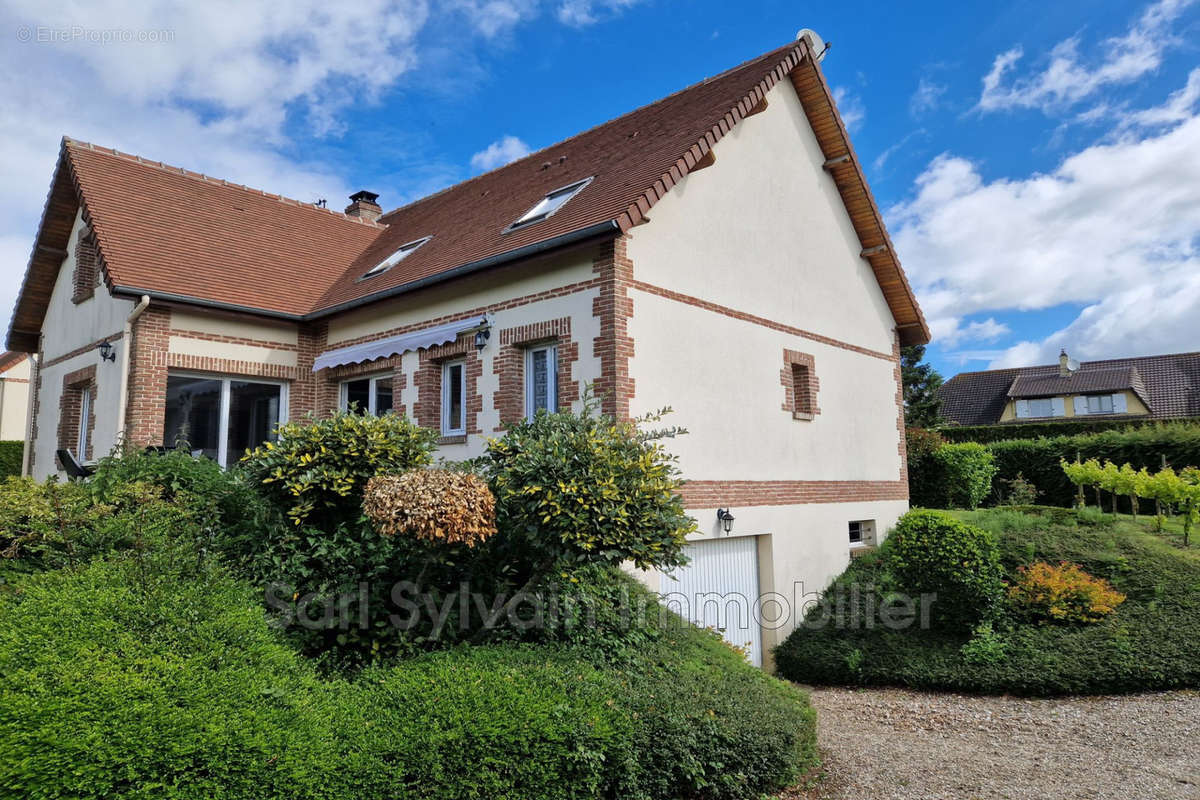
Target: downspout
[(29, 412), (127, 338)]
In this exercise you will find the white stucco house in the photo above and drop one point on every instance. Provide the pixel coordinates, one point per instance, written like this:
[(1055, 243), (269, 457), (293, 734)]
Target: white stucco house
[(717, 251), (15, 369)]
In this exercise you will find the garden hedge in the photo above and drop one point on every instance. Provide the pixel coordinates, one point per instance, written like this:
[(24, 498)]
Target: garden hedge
[(12, 458), (1033, 430), (164, 680), (1037, 460)]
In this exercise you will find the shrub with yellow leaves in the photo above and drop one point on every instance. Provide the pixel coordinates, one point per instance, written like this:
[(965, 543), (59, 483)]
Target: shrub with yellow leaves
[(432, 505), (1063, 593)]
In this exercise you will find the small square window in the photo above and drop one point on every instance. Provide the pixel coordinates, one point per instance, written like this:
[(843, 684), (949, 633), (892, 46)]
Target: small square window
[(454, 393), (551, 203), (541, 379), (862, 532)]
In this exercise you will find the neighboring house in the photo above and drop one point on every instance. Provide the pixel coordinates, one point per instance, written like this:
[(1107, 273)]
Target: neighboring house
[(1149, 387), (14, 395), (717, 251)]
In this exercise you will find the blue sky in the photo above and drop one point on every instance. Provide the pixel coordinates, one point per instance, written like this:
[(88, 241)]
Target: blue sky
[(1038, 164)]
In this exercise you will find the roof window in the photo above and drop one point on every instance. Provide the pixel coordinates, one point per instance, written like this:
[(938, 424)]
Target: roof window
[(548, 205), (395, 258)]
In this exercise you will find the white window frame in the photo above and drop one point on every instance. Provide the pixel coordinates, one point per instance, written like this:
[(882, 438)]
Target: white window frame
[(372, 400), (85, 410), (551, 351), (1100, 398), (402, 252), (1035, 401), (447, 428), (223, 422), (866, 532), (550, 204)]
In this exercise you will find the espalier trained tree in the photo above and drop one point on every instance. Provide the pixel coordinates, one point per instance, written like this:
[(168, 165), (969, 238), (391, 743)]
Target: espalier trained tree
[(1165, 487)]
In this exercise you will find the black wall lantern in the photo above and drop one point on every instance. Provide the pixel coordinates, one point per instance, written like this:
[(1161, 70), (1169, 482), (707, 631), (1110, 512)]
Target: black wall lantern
[(481, 338), (106, 351), (725, 518)]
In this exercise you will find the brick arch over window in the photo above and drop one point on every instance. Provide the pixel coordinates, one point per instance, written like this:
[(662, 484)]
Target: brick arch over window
[(800, 385), (509, 365)]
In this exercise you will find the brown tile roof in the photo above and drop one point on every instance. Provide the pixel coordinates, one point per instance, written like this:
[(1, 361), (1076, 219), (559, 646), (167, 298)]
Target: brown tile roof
[(168, 231), (1082, 381), (10, 358), (1168, 384)]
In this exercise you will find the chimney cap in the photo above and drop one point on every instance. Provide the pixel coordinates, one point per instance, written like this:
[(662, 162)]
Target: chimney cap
[(364, 196)]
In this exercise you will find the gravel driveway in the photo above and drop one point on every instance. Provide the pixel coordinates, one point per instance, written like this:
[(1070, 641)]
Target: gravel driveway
[(891, 743)]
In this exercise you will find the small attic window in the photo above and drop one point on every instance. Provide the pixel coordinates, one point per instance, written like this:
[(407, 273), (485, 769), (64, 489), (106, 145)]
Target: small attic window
[(548, 205), (394, 259)]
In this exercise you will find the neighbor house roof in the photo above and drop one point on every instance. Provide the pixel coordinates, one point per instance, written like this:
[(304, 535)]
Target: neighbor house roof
[(1169, 385), (10, 359), (182, 236)]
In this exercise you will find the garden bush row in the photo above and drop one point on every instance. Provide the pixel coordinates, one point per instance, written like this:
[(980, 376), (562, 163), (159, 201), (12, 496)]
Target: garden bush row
[(1037, 461)]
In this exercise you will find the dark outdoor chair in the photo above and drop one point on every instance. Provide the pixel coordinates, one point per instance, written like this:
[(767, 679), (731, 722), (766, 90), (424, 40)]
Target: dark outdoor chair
[(75, 471)]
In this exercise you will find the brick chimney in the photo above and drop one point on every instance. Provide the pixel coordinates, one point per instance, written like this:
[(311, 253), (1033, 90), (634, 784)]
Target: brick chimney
[(362, 204)]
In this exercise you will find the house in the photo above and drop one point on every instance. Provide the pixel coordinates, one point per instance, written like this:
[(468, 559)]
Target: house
[(717, 251), (14, 395), (1144, 388)]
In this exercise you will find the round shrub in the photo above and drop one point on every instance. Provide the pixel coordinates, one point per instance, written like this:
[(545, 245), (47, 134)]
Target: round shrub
[(932, 553), (316, 471), (435, 506)]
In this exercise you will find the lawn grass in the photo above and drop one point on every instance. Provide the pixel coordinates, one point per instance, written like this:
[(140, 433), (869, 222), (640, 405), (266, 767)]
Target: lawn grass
[(1152, 641)]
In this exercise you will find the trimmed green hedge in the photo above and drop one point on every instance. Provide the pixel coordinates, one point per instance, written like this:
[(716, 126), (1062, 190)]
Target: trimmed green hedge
[(1038, 459), (1148, 643), (1032, 430), (12, 458), (149, 677)]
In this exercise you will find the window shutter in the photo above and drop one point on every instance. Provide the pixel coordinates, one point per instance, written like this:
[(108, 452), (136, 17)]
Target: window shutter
[(1022, 409), (1080, 405), (1059, 406), (1119, 406)]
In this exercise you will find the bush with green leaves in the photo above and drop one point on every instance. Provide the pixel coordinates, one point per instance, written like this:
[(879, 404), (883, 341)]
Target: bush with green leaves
[(583, 488), (949, 475), (930, 552), (173, 686), (316, 470)]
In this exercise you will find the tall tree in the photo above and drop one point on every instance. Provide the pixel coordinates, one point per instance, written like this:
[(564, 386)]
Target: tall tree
[(921, 382)]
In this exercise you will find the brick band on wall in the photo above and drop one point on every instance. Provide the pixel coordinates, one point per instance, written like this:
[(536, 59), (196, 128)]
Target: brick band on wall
[(714, 494)]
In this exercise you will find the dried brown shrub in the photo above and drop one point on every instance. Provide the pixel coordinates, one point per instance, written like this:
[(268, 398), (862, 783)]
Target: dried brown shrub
[(432, 505)]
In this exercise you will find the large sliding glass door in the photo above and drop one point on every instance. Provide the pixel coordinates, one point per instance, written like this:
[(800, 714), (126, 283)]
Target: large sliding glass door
[(221, 417)]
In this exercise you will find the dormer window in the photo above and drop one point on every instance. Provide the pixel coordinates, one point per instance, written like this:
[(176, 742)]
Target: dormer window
[(395, 258), (551, 203)]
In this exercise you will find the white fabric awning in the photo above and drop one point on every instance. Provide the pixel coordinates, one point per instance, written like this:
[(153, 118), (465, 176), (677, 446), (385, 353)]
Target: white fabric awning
[(396, 345)]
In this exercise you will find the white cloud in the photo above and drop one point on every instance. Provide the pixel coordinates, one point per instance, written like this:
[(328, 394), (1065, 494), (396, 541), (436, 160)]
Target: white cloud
[(950, 331), (1115, 228), (926, 98), (581, 13), (851, 107), (500, 152), (1068, 77)]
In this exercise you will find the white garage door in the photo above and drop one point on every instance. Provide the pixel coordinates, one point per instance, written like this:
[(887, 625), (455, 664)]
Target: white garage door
[(718, 588)]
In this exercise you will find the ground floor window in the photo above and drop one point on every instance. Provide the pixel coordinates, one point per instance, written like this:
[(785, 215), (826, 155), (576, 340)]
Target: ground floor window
[(541, 379), (221, 417), (454, 393), (862, 532), (368, 395)]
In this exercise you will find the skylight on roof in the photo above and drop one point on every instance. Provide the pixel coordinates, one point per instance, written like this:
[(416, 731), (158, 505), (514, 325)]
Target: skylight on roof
[(548, 205), (395, 258)]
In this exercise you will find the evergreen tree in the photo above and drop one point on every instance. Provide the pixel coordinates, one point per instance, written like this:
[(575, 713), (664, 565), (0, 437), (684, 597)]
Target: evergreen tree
[(921, 382)]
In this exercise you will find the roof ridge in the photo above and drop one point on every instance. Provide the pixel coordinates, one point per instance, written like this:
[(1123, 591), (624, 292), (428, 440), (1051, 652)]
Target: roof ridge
[(748, 62), (1115, 362), (201, 177)]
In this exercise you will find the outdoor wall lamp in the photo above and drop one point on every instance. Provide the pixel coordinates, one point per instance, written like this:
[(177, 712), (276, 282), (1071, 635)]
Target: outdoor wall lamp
[(481, 338), (725, 518), (106, 351)]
